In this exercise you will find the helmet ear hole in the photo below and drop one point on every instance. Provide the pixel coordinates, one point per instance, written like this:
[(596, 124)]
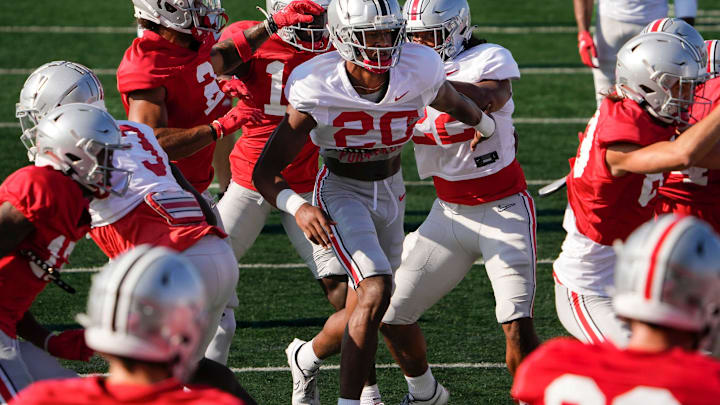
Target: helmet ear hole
[(73, 157), (647, 89)]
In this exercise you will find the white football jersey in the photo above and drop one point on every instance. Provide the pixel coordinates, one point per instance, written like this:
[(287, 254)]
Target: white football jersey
[(442, 144), (633, 11), (150, 168), (321, 88)]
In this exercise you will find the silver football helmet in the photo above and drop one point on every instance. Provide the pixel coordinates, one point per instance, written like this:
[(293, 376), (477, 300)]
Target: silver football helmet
[(79, 140), (353, 24), (447, 20), (312, 37), (51, 85), (668, 273), (149, 304), (713, 64), (660, 71), (682, 29), (196, 17)]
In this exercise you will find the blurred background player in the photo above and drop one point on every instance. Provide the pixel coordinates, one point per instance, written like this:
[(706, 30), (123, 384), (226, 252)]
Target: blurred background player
[(696, 191), (359, 105), (482, 210), (43, 212), (146, 312), (155, 209), (666, 286), (616, 22), (613, 183)]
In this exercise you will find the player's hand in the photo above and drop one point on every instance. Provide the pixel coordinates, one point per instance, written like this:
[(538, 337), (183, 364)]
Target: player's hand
[(316, 224), (69, 345), (299, 11), (586, 48), (235, 88), (241, 114), (479, 137)]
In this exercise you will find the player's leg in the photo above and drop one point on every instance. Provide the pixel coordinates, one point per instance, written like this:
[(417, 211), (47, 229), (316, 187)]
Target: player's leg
[(41, 365), (218, 268), (243, 213), (507, 240), (590, 318), (323, 263), (433, 263), (355, 242), (610, 36), (14, 374)]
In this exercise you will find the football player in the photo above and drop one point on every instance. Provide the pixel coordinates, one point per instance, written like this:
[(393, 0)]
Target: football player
[(666, 286), (244, 211), (43, 212), (145, 315), (614, 178), (359, 105), (483, 208), (695, 191)]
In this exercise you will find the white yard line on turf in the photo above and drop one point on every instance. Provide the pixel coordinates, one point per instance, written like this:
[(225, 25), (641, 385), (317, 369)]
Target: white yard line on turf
[(253, 266), (481, 365)]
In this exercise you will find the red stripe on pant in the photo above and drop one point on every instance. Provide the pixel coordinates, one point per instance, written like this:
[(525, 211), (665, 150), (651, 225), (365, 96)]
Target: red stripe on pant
[(584, 324), (339, 251), (6, 393)]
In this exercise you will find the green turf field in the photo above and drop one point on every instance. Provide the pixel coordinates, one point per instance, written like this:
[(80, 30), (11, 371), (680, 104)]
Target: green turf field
[(279, 302)]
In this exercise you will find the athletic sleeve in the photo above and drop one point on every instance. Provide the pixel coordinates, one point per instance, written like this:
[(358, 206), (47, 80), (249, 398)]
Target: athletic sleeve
[(431, 63), (28, 195)]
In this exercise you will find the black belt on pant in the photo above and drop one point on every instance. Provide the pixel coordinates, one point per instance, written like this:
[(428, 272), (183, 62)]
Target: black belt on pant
[(365, 171)]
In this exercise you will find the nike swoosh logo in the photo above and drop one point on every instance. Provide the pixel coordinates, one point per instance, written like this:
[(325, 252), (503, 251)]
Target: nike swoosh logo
[(449, 73), (502, 208), (402, 197), (403, 95)]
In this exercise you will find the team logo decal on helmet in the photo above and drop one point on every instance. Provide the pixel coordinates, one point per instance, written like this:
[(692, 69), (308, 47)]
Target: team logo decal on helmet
[(447, 20), (660, 71), (79, 140), (51, 85), (352, 25)]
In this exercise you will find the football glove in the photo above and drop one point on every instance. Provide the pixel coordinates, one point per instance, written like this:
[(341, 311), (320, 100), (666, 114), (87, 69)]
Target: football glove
[(69, 345), (586, 48), (299, 11), (240, 115)]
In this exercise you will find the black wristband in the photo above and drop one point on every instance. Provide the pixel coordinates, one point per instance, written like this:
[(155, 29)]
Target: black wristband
[(213, 132), (271, 25)]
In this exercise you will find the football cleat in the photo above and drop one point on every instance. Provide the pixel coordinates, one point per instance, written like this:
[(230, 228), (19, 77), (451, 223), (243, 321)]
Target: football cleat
[(439, 397), (305, 390)]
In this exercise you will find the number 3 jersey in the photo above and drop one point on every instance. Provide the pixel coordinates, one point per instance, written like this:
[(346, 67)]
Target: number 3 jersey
[(155, 209), (265, 79), (192, 98), (606, 207), (442, 144), (321, 88), (566, 371), (54, 204)]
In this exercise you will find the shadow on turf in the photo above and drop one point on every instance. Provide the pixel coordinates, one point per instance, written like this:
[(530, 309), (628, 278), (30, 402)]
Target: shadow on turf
[(282, 323)]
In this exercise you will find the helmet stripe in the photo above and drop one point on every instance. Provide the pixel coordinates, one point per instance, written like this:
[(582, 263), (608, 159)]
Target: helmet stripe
[(381, 7), (414, 10), (118, 290), (654, 257), (712, 46), (658, 24)]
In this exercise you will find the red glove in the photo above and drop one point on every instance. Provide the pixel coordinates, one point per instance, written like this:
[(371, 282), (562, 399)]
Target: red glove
[(299, 11), (69, 345), (586, 47), (235, 88), (240, 115)]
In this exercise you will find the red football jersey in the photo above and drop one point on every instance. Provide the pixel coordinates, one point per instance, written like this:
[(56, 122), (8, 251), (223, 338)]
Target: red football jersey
[(566, 371), (607, 207), (96, 391), (193, 96), (270, 67), (696, 186), (144, 225), (55, 205)]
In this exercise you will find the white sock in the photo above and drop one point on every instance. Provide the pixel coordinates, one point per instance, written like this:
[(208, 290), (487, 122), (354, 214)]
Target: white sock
[(370, 395), (423, 386), (307, 360), (343, 401)]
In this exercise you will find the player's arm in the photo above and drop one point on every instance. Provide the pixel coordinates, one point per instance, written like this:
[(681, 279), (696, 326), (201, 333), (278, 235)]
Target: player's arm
[(686, 10), (149, 107), (490, 95), (281, 149), (228, 55), (14, 228), (463, 109), (695, 147), (204, 206), (68, 344), (586, 46)]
